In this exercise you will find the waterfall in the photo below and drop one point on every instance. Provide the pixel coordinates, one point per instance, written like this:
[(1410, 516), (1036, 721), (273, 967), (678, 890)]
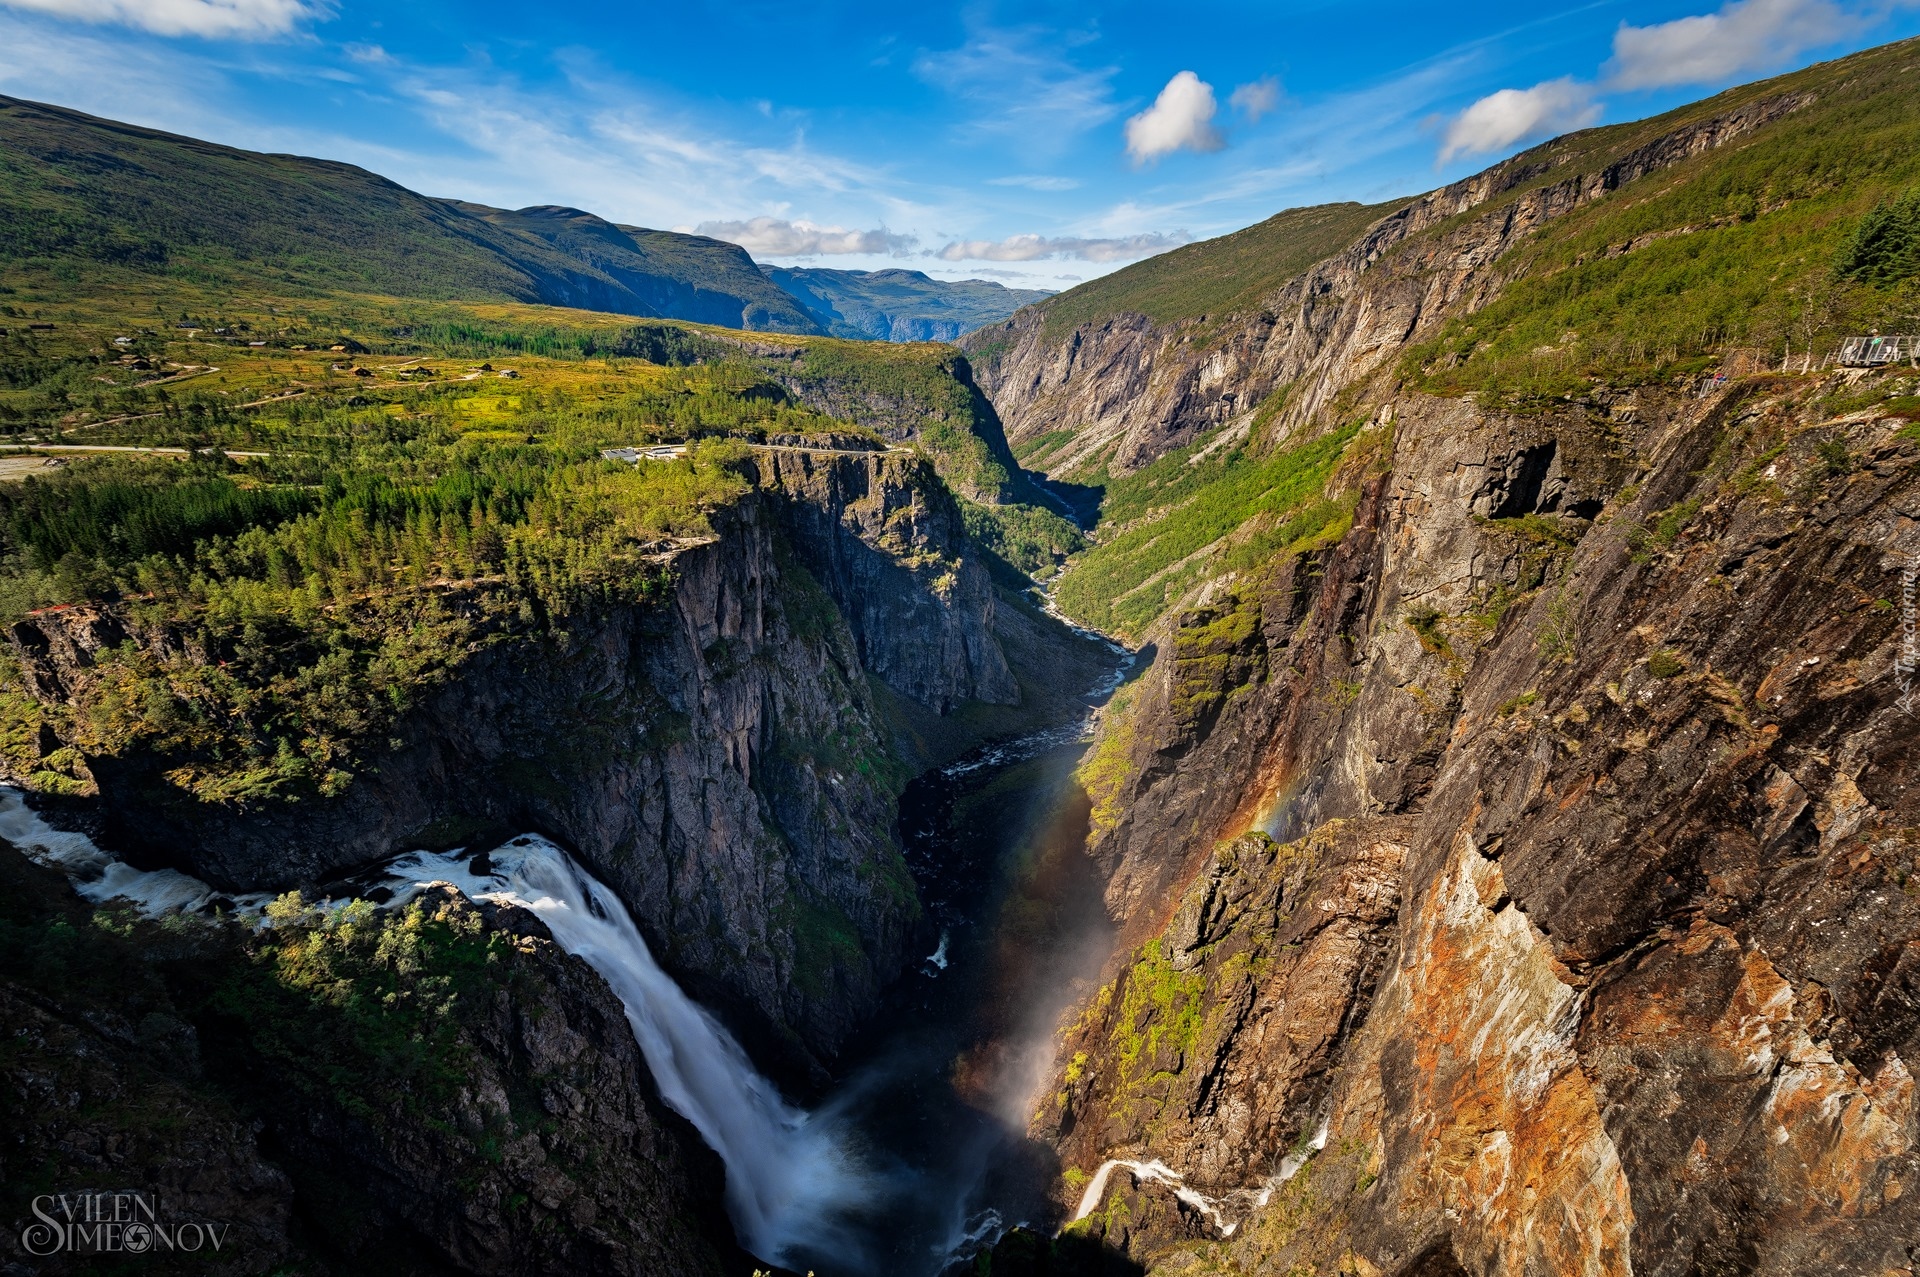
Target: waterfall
[(791, 1182), (789, 1179)]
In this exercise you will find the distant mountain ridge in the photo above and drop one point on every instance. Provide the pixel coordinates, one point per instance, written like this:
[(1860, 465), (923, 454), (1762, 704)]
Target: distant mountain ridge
[(75, 189), (664, 274), (899, 305)]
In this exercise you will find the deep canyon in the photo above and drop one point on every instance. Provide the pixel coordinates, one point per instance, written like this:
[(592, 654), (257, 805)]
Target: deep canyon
[(1497, 857)]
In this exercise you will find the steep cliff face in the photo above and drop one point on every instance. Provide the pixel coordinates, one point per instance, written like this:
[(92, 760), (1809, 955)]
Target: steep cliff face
[(1129, 389), (921, 610), (179, 1062), (553, 1152), (716, 756), (1519, 879), (1602, 874)]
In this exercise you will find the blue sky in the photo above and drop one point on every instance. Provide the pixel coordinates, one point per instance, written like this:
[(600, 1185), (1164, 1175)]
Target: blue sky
[(1035, 143)]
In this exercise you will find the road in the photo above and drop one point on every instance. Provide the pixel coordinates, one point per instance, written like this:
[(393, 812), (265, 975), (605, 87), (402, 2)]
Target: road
[(113, 447)]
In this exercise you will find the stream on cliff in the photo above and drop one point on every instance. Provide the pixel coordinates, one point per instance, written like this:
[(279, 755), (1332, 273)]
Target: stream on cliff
[(917, 1158)]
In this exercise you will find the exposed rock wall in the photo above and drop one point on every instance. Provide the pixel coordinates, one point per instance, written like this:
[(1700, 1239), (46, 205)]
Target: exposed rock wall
[(1132, 389), (556, 1154), (892, 555), (717, 757), (127, 1070), (1617, 824)]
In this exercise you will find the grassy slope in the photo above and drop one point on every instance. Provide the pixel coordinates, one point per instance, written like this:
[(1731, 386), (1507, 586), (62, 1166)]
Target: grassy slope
[(77, 192), (1173, 524), (1744, 247), (1740, 248), (1217, 276)]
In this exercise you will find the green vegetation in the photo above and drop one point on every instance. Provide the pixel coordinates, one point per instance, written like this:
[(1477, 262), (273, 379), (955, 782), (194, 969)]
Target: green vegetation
[(912, 391), (1215, 277), (1885, 248), (1325, 522), (1425, 622), (1665, 664), (1215, 654), (1034, 450), (825, 944), (320, 548), (1107, 770), (1158, 1023), (98, 202), (359, 1007), (1160, 523), (1542, 544), (362, 577), (1514, 704), (1835, 457), (1560, 636), (1802, 238), (1659, 533), (1032, 538)]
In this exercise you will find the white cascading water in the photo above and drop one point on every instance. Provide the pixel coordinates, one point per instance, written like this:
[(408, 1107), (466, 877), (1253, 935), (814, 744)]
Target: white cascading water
[(789, 1178), (99, 877), (1213, 1208)]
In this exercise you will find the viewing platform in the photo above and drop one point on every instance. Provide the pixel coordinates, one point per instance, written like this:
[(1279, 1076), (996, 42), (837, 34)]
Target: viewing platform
[(1876, 351)]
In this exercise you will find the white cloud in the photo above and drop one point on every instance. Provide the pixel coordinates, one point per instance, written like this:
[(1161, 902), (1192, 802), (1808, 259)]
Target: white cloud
[(1254, 100), (595, 142), (1029, 248), (1500, 119), (1181, 118), (992, 272), (242, 19), (1036, 182), (777, 237), (1742, 36)]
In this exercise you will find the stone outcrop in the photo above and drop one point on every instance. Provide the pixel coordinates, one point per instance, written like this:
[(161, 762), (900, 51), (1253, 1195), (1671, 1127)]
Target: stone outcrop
[(922, 610), (556, 1153), (1133, 389), (1232, 1018), (717, 756), (1616, 821), (127, 1070)]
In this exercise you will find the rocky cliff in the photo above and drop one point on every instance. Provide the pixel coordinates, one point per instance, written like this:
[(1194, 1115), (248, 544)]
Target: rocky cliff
[(716, 755), (1593, 942), (1130, 389), (1522, 879), (204, 1068)]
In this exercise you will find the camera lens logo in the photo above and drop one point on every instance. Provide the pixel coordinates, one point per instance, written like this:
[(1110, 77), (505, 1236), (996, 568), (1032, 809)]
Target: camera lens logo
[(136, 1239)]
